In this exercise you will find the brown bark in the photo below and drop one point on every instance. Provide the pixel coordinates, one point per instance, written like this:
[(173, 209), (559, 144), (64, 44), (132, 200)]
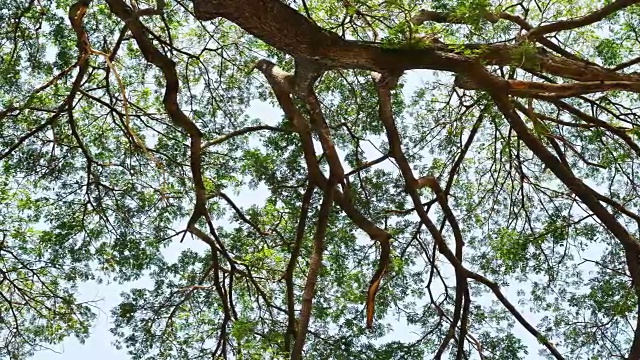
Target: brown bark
[(289, 31)]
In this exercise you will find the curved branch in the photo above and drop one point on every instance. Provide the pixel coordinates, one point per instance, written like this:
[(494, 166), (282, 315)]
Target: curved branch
[(279, 80), (583, 20), (170, 100)]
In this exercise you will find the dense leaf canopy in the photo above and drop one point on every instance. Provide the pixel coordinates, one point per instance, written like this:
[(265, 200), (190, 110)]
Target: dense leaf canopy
[(462, 170)]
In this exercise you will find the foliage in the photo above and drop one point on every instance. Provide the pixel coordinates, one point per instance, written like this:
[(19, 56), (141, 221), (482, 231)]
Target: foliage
[(127, 127)]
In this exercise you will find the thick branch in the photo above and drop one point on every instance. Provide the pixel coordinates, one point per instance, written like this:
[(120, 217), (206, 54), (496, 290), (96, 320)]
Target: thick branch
[(580, 189), (293, 260), (285, 29), (385, 112), (314, 269), (170, 100), (282, 27), (583, 20), (277, 79)]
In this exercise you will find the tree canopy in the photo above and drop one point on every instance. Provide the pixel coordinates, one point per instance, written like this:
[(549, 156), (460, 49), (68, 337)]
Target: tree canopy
[(499, 193)]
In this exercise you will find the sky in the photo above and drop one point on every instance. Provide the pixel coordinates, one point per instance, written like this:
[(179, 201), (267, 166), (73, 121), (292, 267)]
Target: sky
[(99, 345)]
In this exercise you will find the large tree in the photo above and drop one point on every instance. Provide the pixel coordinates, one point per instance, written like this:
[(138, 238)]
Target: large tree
[(124, 129)]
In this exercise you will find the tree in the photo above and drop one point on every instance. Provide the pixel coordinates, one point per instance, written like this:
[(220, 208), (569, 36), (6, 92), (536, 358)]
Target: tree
[(123, 129)]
